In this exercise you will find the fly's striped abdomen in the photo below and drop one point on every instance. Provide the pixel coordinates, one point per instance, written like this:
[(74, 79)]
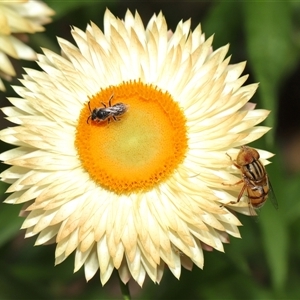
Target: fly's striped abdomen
[(254, 171), (258, 192)]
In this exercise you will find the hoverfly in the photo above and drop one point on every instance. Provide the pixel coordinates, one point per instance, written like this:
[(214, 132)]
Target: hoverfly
[(107, 112), (254, 177)]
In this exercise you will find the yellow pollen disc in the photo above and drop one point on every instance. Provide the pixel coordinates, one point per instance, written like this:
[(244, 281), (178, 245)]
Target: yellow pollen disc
[(141, 148)]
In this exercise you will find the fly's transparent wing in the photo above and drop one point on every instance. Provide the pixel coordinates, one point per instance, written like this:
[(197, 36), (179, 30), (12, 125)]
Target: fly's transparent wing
[(272, 196)]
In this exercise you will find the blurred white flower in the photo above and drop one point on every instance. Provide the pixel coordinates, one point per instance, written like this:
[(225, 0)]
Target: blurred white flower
[(146, 190), (17, 18)]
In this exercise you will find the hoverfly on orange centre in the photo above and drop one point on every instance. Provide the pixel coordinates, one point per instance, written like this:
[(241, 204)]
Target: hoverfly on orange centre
[(254, 177)]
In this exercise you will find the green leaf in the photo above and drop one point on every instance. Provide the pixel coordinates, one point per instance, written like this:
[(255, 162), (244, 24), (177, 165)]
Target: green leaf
[(226, 30), (271, 52), (88, 9), (274, 226), (10, 223), (275, 240), (62, 8)]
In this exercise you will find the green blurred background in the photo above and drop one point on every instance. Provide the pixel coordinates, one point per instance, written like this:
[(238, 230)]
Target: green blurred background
[(265, 263)]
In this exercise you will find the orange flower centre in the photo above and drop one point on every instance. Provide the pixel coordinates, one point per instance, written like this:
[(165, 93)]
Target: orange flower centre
[(138, 149)]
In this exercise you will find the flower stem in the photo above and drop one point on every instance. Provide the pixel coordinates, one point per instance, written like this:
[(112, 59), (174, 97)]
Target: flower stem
[(124, 289)]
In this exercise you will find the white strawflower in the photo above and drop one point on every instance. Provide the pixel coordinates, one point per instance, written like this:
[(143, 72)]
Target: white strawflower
[(146, 190), (16, 18)]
